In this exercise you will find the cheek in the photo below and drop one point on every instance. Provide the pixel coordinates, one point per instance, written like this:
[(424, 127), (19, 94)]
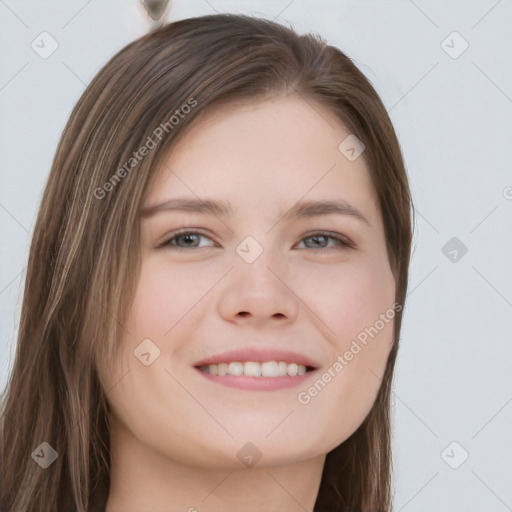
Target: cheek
[(165, 294), (350, 296), (355, 301)]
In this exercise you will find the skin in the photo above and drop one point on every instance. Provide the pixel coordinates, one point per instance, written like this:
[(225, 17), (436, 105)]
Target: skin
[(176, 435)]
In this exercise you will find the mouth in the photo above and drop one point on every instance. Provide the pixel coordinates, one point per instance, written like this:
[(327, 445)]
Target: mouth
[(266, 369), (257, 369)]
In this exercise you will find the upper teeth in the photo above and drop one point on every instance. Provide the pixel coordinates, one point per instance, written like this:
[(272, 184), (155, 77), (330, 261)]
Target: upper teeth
[(253, 369)]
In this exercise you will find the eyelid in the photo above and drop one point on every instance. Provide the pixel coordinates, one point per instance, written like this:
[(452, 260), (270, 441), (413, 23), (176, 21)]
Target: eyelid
[(341, 240), (182, 231)]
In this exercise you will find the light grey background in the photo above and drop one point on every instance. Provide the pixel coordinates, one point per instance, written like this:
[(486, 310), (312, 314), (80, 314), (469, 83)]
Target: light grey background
[(453, 117)]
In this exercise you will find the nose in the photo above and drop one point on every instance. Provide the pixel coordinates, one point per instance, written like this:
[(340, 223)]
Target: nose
[(258, 293)]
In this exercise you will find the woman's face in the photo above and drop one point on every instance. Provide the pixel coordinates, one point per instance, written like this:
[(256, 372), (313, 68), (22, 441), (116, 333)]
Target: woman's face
[(257, 280)]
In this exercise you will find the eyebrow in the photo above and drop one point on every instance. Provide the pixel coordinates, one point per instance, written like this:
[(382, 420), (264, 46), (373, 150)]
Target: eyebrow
[(301, 210)]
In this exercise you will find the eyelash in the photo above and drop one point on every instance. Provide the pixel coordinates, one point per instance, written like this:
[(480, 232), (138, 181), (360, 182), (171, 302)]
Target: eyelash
[(340, 242)]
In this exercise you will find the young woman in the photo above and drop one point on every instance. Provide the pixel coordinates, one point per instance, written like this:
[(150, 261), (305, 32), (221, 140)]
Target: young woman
[(215, 285)]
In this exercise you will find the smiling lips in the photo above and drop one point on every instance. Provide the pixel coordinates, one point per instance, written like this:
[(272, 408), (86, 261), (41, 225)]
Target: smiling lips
[(257, 368)]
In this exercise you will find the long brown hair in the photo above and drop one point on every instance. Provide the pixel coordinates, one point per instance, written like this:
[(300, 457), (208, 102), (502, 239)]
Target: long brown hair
[(85, 253)]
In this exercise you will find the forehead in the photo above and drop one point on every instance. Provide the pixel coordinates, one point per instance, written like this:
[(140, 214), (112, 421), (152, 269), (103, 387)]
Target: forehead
[(265, 155)]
